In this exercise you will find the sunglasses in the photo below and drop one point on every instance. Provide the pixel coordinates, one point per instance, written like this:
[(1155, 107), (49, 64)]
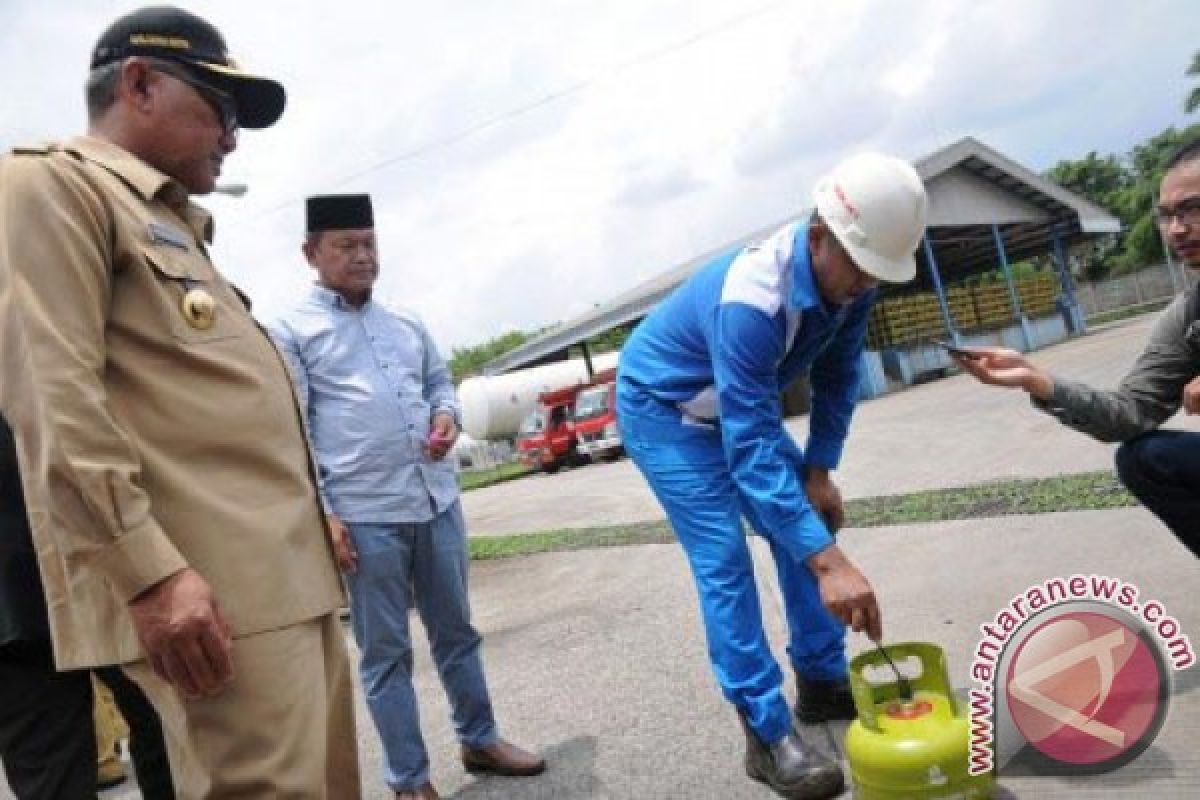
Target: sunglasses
[(221, 102)]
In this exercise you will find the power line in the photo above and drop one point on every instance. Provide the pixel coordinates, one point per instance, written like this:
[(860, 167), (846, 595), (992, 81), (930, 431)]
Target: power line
[(445, 142)]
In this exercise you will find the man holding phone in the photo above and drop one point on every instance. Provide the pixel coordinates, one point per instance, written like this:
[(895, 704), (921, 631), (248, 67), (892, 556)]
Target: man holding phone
[(1162, 468), (382, 415)]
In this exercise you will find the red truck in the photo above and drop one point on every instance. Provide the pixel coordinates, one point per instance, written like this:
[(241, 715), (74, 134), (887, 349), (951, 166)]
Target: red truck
[(596, 418), (547, 439)]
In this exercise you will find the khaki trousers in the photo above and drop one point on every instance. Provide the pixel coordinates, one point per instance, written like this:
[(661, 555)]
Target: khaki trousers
[(283, 729)]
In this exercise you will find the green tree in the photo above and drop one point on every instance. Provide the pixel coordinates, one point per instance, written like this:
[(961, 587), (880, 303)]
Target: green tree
[(1141, 246), (1149, 159), (1193, 98), (1106, 181), (1098, 178), (1128, 187), (468, 361), (610, 340)]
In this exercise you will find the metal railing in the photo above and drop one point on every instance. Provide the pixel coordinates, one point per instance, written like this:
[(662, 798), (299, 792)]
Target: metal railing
[(1155, 284)]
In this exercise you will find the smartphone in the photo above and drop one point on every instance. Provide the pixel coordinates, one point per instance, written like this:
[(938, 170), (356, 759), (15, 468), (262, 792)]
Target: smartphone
[(957, 351)]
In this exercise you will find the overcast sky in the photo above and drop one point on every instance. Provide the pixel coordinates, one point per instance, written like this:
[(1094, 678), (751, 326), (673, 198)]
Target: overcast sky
[(530, 158)]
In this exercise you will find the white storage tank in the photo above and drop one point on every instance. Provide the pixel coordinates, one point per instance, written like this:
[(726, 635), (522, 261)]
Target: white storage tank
[(494, 405)]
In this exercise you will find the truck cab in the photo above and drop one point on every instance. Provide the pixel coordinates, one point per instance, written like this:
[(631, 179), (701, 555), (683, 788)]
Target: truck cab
[(596, 421), (547, 439)]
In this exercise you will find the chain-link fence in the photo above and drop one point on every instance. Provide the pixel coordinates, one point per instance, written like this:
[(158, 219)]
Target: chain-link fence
[(1151, 285), (917, 318)]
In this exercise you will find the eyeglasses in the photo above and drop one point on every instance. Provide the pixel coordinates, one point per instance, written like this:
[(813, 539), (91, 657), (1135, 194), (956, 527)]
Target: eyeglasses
[(222, 103), (1187, 213)]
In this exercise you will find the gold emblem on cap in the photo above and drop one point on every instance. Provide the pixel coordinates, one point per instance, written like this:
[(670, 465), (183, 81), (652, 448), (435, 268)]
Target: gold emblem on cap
[(199, 309), (158, 40)]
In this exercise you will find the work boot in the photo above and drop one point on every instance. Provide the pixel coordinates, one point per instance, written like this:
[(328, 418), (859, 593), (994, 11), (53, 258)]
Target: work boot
[(502, 758), (822, 701), (791, 767)]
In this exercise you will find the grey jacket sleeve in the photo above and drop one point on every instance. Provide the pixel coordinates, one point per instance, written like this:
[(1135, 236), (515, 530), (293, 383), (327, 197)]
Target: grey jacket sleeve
[(1149, 394)]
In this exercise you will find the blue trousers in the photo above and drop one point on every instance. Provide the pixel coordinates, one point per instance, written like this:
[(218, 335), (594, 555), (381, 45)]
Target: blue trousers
[(1162, 469), (686, 469), (425, 562)]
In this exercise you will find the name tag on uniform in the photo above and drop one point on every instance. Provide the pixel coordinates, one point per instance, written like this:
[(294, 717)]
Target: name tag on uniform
[(165, 234)]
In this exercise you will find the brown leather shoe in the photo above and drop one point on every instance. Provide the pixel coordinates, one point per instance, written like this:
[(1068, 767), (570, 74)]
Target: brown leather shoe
[(502, 758), (423, 792)]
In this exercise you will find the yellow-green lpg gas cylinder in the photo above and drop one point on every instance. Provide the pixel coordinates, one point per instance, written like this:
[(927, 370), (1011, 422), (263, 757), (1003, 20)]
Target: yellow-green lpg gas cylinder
[(908, 748)]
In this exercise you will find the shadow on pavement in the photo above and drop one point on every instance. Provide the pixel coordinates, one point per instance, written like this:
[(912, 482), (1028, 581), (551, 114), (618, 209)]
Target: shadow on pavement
[(570, 773)]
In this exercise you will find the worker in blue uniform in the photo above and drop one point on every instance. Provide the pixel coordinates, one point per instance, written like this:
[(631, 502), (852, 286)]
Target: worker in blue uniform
[(699, 405)]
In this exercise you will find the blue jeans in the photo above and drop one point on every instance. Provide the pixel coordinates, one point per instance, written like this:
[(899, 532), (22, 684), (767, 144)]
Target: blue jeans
[(1162, 469), (427, 562), (687, 470)]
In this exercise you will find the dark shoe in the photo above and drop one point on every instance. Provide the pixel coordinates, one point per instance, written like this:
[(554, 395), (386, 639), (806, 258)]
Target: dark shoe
[(110, 773), (822, 701), (423, 792), (791, 767), (502, 758)]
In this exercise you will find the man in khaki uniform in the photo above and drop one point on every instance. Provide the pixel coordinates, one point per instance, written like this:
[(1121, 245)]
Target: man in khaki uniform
[(168, 480)]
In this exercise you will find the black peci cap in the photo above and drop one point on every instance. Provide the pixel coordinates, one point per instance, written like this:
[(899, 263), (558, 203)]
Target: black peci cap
[(173, 34), (339, 212)]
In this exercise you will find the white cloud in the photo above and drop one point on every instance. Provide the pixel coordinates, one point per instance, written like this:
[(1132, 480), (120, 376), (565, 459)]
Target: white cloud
[(531, 158)]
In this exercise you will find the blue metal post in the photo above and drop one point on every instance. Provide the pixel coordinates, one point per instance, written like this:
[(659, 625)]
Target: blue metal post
[(1064, 272), (1078, 323), (1026, 333), (937, 288)]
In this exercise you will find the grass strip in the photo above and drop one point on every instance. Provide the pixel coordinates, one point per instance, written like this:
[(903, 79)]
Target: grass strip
[(524, 544), (1080, 492), (1116, 315), (489, 477)]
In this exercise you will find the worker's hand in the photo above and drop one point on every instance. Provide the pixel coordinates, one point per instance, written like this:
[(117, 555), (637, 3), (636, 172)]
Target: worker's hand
[(825, 497), (846, 593), (186, 638), (999, 366), (1191, 396), (442, 435), (343, 545)]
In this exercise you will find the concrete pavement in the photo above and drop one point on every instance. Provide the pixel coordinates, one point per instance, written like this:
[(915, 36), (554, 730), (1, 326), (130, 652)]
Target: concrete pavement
[(596, 658)]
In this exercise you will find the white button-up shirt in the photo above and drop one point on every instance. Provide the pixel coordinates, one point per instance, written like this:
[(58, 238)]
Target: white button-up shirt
[(370, 380)]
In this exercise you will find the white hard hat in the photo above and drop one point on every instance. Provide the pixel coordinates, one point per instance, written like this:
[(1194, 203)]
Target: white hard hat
[(875, 205)]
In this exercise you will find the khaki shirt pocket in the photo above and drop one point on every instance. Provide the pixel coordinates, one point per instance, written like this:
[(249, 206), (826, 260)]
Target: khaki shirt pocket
[(199, 305)]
